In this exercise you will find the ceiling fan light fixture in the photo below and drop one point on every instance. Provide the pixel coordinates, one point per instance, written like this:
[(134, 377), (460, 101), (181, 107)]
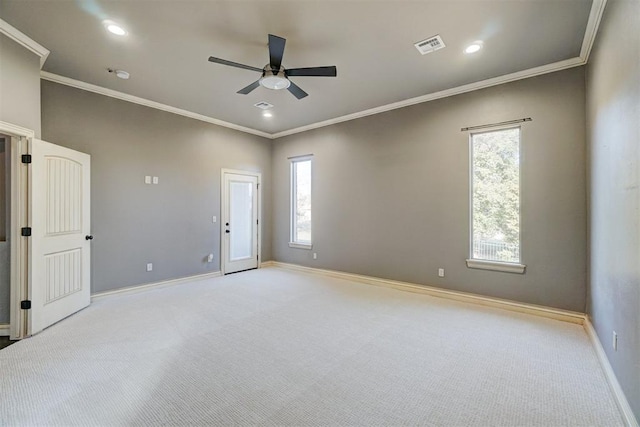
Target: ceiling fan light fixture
[(275, 82)]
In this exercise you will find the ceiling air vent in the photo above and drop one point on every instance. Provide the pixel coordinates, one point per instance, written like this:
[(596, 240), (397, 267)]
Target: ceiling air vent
[(430, 45), (263, 105)]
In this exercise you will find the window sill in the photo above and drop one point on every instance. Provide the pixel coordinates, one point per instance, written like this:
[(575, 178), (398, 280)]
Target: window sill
[(300, 245), (506, 267)]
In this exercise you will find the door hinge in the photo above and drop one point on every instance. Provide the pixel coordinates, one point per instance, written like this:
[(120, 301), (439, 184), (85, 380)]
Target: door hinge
[(25, 305), (26, 158), (25, 231)]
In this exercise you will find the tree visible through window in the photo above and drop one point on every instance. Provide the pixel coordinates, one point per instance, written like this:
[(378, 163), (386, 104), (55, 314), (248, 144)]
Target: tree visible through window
[(301, 201), (496, 195)]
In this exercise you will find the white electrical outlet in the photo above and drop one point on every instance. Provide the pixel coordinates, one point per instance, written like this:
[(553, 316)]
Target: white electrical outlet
[(615, 341), (214, 218), (147, 179), (210, 258), (315, 255), (155, 179), (149, 266), (441, 272)]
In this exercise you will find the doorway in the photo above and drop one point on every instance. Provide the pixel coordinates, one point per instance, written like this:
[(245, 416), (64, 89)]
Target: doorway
[(48, 228), (5, 243), (240, 220)]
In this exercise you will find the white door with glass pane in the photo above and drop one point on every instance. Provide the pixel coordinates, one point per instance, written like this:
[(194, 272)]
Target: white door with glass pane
[(240, 231), (60, 249)]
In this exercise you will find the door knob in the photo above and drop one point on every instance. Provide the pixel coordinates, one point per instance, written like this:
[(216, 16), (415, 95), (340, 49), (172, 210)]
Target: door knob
[(227, 231), (88, 237)]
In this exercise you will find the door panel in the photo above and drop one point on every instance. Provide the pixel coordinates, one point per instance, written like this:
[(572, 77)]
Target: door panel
[(240, 219), (59, 253)]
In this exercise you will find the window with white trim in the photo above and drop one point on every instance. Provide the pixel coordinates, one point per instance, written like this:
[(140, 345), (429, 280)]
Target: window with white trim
[(495, 196), (301, 202)]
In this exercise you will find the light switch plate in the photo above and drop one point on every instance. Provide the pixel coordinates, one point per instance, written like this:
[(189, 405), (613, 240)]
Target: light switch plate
[(147, 179), (155, 179)]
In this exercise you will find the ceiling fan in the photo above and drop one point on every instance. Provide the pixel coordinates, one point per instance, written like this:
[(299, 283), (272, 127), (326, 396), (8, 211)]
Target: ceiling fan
[(274, 75)]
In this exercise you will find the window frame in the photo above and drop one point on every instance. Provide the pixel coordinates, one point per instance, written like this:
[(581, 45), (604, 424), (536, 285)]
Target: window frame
[(483, 264), (292, 201)]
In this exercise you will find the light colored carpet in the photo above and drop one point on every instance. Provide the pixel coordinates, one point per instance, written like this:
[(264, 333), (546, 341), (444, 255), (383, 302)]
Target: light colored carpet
[(275, 347)]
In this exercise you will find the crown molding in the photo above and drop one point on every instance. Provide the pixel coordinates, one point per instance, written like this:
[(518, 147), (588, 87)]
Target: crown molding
[(595, 15), (25, 41), (597, 10), (45, 75), (532, 72)]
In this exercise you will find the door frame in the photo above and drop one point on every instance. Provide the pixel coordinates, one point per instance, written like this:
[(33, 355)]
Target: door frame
[(19, 267), (223, 208)]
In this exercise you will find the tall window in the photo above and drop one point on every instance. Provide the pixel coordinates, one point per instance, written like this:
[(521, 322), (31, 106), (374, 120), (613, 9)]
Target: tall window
[(495, 195), (301, 202)]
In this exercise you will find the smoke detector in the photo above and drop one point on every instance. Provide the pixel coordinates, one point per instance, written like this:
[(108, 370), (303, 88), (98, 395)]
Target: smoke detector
[(430, 45), (121, 74)]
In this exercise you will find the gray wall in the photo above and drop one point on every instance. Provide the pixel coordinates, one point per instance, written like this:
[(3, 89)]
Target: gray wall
[(391, 192), (613, 106), (19, 85), (168, 224)]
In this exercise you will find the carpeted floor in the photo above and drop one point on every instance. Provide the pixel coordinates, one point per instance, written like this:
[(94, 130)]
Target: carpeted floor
[(275, 347)]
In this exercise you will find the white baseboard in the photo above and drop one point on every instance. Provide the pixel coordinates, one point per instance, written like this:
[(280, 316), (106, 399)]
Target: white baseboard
[(162, 284), (4, 330), (552, 313), (621, 399), (267, 264)]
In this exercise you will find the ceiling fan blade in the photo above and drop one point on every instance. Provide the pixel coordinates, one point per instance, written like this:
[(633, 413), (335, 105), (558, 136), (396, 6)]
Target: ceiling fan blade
[(330, 71), (296, 91), (248, 89), (233, 64), (276, 51)]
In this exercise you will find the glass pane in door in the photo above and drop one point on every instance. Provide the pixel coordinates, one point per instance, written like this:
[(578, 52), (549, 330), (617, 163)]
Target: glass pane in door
[(241, 206)]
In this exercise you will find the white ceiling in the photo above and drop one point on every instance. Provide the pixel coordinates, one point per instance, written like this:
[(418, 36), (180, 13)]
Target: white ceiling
[(370, 42)]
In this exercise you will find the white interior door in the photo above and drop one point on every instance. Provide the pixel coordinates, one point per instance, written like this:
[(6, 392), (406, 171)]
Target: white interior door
[(59, 250), (240, 221)]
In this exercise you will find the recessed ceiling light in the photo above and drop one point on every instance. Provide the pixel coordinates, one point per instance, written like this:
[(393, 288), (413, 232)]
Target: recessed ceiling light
[(473, 47), (267, 114), (114, 28)]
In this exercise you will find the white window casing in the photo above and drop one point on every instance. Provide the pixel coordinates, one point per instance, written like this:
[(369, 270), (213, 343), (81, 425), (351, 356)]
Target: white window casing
[(301, 202)]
